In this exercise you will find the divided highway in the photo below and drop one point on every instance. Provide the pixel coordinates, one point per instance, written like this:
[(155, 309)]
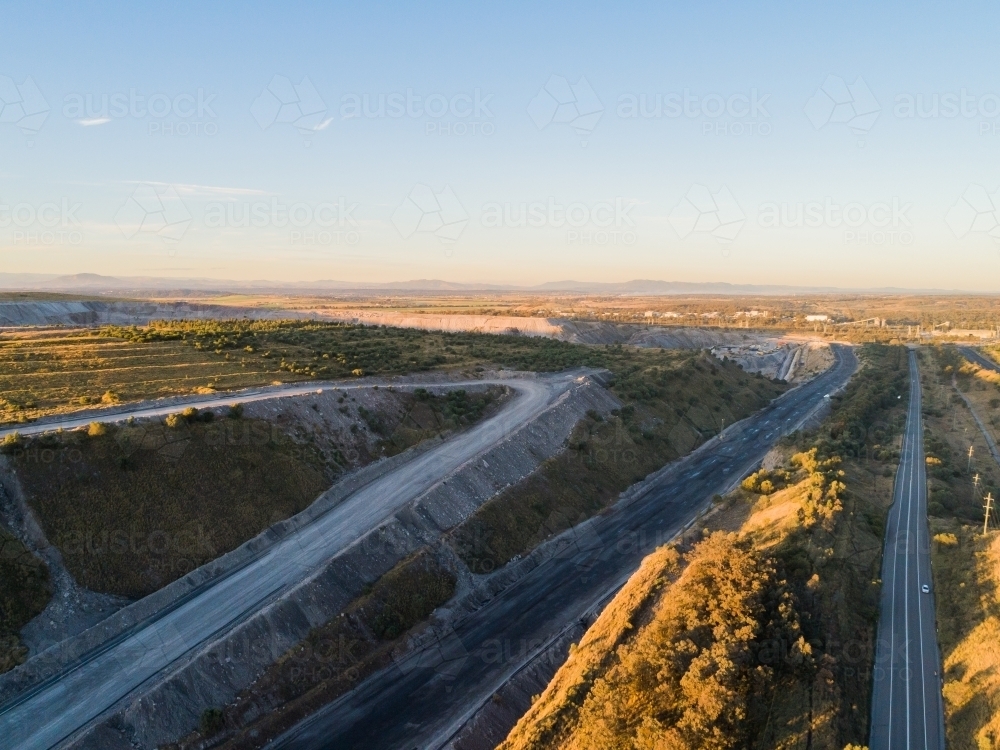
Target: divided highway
[(907, 710), (974, 355), (424, 700), (70, 700)]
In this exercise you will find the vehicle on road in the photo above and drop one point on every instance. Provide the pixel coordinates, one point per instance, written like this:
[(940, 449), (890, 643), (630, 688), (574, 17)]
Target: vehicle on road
[(925, 588)]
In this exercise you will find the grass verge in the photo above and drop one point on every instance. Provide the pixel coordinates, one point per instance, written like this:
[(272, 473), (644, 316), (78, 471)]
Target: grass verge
[(965, 563)]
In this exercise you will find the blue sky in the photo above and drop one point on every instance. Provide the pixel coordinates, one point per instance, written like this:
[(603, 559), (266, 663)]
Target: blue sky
[(711, 194)]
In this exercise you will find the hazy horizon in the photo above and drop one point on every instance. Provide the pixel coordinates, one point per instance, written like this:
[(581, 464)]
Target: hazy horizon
[(849, 147)]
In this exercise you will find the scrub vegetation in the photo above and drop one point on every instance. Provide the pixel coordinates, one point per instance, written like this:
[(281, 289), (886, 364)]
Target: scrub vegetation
[(965, 562), (24, 592), (59, 371), (134, 506), (762, 636)]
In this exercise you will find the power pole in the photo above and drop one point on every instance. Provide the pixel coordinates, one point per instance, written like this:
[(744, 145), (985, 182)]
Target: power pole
[(971, 451), (989, 504)]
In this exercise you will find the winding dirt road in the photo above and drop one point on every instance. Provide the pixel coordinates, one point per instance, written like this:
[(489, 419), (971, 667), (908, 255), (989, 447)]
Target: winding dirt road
[(70, 700)]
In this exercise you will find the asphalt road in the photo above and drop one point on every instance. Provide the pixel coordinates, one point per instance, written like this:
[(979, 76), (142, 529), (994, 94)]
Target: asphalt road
[(973, 355), (422, 701), (907, 711), (67, 702)]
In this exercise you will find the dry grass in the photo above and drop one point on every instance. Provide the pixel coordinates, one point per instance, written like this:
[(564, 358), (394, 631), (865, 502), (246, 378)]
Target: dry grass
[(831, 568), (60, 371), (949, 431), (551, 718), (966, 565), (56, 371), (968, 614)]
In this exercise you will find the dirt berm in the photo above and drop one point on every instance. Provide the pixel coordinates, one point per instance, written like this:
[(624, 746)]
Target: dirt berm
[(213, 674)]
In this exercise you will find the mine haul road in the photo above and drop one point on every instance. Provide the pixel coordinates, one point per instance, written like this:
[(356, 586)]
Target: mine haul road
[(423, 700), (907, 710), (69, 701)]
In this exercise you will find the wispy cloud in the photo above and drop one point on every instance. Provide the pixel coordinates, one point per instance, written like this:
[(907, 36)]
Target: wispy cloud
[(201, 190), (89, 121)]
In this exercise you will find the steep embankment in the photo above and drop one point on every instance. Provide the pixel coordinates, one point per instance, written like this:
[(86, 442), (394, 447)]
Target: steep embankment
[(665, 404), (965, 562), (117, 512), (757, 637)]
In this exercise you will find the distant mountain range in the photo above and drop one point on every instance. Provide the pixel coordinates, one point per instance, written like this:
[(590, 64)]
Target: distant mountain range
[(92, 283)]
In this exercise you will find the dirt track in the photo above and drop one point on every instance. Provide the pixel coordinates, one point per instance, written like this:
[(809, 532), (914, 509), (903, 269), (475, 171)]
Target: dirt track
[(60, 706)]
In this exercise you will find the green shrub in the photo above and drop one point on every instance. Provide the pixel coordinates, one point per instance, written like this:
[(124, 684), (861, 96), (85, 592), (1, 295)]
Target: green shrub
[(212, 722), (10, 443)]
